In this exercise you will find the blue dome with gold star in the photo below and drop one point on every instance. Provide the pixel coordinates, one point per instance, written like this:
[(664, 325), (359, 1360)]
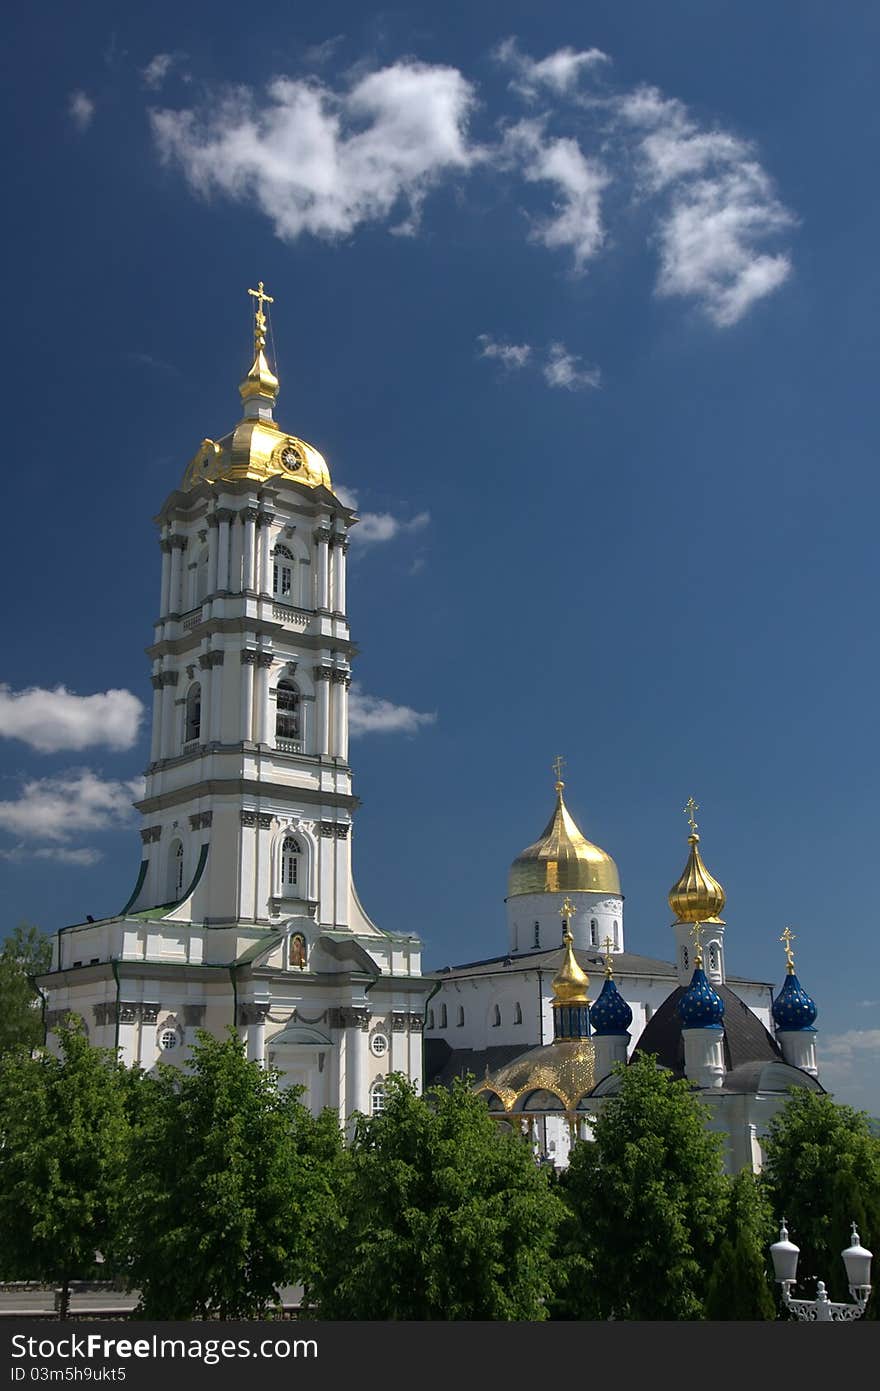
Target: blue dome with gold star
[(700, 1007), (610, 1014), (793, 1008)]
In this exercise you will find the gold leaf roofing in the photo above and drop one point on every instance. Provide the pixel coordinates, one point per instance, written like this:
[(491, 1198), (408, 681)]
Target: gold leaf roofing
[(567, 1068), (562, 860), (697, 896)]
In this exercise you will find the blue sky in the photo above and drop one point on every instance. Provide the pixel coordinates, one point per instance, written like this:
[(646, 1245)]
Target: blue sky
[(580, 303)]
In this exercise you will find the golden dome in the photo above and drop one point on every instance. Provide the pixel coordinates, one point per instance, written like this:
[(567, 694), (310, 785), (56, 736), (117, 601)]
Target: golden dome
[(567, 1068), (570, 986), (697, 897), (562, 861), (258, 448)]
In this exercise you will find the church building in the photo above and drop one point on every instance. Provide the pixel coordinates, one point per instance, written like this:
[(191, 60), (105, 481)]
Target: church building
[(244, 909)]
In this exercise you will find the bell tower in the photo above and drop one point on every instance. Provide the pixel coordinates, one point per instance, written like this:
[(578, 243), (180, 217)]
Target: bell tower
[(247, 811)]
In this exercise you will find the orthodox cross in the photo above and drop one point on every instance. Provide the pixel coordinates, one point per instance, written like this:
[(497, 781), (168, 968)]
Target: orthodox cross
[(690, 810), (697, 934), (788, 937), (609, 968), (565, 913), (558, 765), (262, 298)]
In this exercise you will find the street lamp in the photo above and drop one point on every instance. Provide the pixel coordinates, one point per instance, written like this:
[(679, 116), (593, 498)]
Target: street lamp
[(821, 1309)]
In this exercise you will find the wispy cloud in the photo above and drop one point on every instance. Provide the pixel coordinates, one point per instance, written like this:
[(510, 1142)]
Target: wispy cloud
[(84, 856), (81, 109), (52, 720), (560, 368), (373, 715), (158, 68), (511, 355), (560, 71), (849, 1063), (56, 809), (320, 53), (563, 370), (324, 162), (375, 527)]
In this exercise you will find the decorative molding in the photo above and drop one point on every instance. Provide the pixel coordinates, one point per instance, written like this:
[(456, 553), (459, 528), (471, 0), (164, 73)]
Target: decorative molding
[(327, 828), (168, 678), (130, 1011), (252, 1014), (415, 1022), (322, 673), (156, 681), (321, 533), (215, 659), (248, 657), (224, 514), (194, 1015), (349, 1017), (248, 818), (151, 833), (191, 670), (265, 820), (265, 518), (204, 660), (398, 1021), (201, 820), (165, 544), (179, 542), (213, 519), (248, 514), (340, 831), (105, 1012), (265, 659), (339, 677), (203, 534)]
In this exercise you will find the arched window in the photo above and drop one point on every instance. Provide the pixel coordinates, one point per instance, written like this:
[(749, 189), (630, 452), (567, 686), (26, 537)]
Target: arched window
[(430, 1019), (286, 710), (291, 852), (594, 933), (377, 1099), (496, 1016), (713, 956), (684, 957), (443, 1019), (460, 1020), (517, 1013), (282, 574), (616, 935), (175, 869), (193, 724), (537, 934)]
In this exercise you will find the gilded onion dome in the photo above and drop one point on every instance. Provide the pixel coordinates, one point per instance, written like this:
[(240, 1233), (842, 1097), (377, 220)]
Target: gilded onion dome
[(565, 1068), (258, 449), (697, 897), (563, 860), (571, 984)]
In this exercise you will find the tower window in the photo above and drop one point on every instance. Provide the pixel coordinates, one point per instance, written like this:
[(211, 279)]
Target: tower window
[(460, 1020), (517, 1013), (443, 1019), (430, 1019), (685, 958), (616, 931), (282, 574), (496, 1016), (594, 933), (537, 934), (175, 870), (290, 856), (287, 711), (201, 577), (193, 724)]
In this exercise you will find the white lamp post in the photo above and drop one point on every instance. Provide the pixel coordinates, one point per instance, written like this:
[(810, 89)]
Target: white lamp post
[(821, 1309)]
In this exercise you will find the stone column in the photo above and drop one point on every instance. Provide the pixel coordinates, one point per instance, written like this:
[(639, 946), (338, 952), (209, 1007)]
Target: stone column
[(165, 546), (236, 548), (339, 679), (322, 703), (248, 662), (355, 1022), (264, 531), (215, 732), (207, 697), (322, 538), (156, 733), (254, 1019), (175, 596), (224, 516), (169, 690), (248, 521), (340, 550), (264, 663), (213, 551)]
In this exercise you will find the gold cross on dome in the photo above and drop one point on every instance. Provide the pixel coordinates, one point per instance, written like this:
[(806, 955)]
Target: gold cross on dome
[(262, 298), (609, 968), (690, 810), (788, 937), (566, 910), (557, 765), (697, 934)]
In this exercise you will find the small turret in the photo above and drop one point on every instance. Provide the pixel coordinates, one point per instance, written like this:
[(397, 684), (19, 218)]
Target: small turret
[(794, 1014)]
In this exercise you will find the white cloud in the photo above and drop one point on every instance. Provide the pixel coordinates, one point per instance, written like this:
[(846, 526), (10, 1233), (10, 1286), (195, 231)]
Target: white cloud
[(52, 720), (560, 71), (562, 369), (81, 109), (84, 856), (56, 809), (576, 220), (323, 162), (372, 715), (158, 68), (511, 355), (720, 209), (375, 527)]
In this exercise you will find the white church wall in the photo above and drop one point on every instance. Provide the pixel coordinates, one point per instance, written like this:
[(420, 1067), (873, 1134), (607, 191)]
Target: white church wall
[(596, 916)]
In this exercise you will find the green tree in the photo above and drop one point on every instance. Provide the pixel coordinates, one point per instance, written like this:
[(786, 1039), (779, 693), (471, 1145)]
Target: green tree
[(63, 1146), (440, 1216), (741, 1283), (230, 1178), (647, 1199), (26, 952), (822, 1171)]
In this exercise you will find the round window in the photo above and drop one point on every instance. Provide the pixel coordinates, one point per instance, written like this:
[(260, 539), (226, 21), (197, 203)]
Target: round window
[(168, 1039), (378, 1045)]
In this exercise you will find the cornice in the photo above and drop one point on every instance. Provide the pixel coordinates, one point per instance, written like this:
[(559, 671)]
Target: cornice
[(258, 788)]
